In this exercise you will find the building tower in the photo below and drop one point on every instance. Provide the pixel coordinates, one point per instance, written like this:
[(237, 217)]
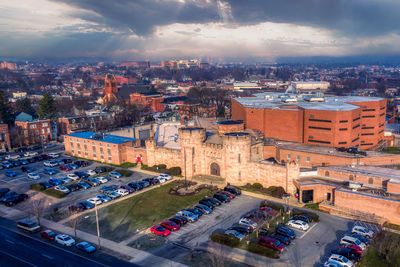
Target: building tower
[(110, 88)]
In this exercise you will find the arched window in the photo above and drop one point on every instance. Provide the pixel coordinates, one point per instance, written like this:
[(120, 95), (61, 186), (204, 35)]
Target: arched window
[(214, 169), (351, 177), (371, 180), (327, 173)]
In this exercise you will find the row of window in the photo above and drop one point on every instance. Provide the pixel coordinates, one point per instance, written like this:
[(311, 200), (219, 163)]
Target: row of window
[(298, 158)]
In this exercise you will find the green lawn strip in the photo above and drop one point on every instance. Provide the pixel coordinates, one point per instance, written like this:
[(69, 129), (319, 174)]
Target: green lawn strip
[(392, 150), (127, 217)]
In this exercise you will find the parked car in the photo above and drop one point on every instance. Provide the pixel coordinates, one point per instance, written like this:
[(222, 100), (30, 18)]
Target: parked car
[(161, 180), (73, 166), (65, 240), (91, 172), (348, 253), (115, 174), (51, 163), (197, 212), (87, 205), (271, 243), (122, 192), (332, 263), (66, 180), (112, 194), (302, 217), (12, 157), (24, 162), (104, 198), (286, 232), (28, 226), (55, 181), (160, 230), (65, 168), (30, 154), (14, 199), (354, 248), (4, 191), (228, 194), (248, 221), (342, 260), (214, 201), (144, 184), (49, 171), (283, 239), (179, 220), (127, 187), (188, 215), (360, 237), (235, 233), (33, 175), (363, 231), (205, 209), (82, 163), (86, 247), (84, 185), (102, 180), (108, 188), (170, 225), (207, 203), (135, 186), (27, 169), (221, 197), (165, 176), (301, 225), (241, 229), (95, 201), (73, 176), (62, 189), (48, 234), (7, 164), (52, 154), (73, 187), (10, 173), (93, 181), (46, 185), (100, 170), (76, 208), (349, 240), (233, 190), (82, 174), (67, 161)]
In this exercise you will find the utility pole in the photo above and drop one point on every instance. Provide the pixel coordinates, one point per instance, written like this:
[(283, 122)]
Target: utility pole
[(98, 229), (184, 160)]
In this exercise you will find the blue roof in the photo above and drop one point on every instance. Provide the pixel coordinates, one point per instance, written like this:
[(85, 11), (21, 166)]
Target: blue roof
[(107, 138)]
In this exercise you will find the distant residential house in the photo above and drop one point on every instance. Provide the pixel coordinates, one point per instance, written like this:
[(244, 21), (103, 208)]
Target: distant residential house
[(4, 137), (34, 131)]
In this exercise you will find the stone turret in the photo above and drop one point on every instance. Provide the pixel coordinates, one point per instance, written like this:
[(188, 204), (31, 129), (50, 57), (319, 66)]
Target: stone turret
[(191, 139), (237, 154)]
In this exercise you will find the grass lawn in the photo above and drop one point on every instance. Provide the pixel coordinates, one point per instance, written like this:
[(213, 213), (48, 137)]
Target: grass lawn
[(125, 218), (392, 150), (148, 242)]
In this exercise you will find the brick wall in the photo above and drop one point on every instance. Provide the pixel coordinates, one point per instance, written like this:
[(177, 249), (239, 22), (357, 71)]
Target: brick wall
[(393, 187)]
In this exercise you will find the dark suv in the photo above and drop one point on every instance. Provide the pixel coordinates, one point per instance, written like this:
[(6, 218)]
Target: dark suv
[(222, 198), (286, 232), (233, 190)]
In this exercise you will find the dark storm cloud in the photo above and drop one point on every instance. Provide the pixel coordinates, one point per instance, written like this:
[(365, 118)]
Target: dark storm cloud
[(141, 16), (348, 17)]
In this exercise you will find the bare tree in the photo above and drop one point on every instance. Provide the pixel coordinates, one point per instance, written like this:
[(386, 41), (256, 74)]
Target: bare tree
[(37, 208), (75, 220)]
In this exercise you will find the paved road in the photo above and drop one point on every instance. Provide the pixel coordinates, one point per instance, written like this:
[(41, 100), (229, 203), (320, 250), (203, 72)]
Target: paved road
[(17, 249)]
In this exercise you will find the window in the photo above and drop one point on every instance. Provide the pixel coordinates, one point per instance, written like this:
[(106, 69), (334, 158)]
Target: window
[(44, 124), (382, 108), (369, 109), (343, 129), (320, 120), (371, 116), (319, 141), (381, 131), (194, 168), (344, 121), (298, 157), (307, 159), (351, 177), (370, 180), (319, 128), (193, 151), (288, 156), (358, 125), (355, 139), (356, 119), (342, 143), (326, 173), (42, 131), (367, 127), (367, 144), (33, 126), (36, 131), (382, 114), (108, 145), (367, 134), (239, 158), (240, 175), (48, 130)]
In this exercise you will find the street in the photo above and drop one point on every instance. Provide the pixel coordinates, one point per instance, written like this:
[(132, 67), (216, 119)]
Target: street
[(17, 249)]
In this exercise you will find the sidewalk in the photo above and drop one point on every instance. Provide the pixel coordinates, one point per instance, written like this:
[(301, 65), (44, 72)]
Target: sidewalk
[(292, 202), (136, 256)]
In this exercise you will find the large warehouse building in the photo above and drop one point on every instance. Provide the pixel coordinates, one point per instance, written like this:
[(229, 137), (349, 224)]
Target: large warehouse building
[(339, 121)]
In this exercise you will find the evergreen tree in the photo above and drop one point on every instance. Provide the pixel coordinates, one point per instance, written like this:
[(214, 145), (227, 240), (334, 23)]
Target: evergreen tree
[(24, 105), (6, 114), (47, 107)]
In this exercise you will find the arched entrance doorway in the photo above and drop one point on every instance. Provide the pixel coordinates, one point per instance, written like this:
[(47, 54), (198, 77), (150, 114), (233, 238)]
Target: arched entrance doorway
[(214, 169)]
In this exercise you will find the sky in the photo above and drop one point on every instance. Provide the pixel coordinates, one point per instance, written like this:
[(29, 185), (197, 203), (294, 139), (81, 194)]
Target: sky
[(203, 29)]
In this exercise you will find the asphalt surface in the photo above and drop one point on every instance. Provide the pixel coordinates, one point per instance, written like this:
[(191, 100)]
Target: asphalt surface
[(20, 249)]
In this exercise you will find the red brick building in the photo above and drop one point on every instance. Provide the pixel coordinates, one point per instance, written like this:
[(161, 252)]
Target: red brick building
[(151, 100), (110, 88), (35, 131), (329, 121), (4, 137), (67, 125)]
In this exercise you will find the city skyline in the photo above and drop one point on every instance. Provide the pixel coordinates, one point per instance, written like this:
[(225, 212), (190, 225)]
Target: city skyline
[(221, 30)]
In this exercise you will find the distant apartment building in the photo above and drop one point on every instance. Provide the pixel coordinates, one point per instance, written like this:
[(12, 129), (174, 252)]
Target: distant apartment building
[(8, 65), (245, 85), (34, 131), (314, 119), (151, 100), (67, 125), (136, 64), (100, 147), (5, 144), (311, 85), (183, 64), (190, 110)]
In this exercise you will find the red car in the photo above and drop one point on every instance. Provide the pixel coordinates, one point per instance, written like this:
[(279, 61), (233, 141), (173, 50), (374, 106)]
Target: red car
[(48, 234), (65, 168), (170, 225), (269, 210), (354, 248), (226, 193), (159, 230), (271, 243)]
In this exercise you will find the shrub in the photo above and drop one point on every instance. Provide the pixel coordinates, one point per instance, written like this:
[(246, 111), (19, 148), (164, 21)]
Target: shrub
[(277, 192), (124, 173), (162, 166), (37, 187), (277, 207), (144, 167), (257, 186), (225, 239), (127, 165), (174, 171), (261, 250), (54, 193), (313, 216)]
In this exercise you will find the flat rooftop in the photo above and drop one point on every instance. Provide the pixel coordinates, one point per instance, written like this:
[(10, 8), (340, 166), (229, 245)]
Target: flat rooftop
[(375, 171), (107, 138), (324, 150), (329, 103)]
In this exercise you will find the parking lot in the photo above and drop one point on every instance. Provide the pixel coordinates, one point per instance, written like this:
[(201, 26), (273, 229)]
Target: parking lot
[(21, 184)]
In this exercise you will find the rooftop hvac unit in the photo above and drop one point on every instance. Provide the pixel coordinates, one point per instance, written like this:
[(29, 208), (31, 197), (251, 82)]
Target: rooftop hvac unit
[(269, 97), (289, 100)]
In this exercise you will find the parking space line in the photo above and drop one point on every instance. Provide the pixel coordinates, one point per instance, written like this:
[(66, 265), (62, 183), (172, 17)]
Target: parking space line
[(307, 231)]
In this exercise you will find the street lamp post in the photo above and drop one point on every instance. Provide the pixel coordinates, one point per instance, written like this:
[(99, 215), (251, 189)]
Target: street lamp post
[(98, 228)]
